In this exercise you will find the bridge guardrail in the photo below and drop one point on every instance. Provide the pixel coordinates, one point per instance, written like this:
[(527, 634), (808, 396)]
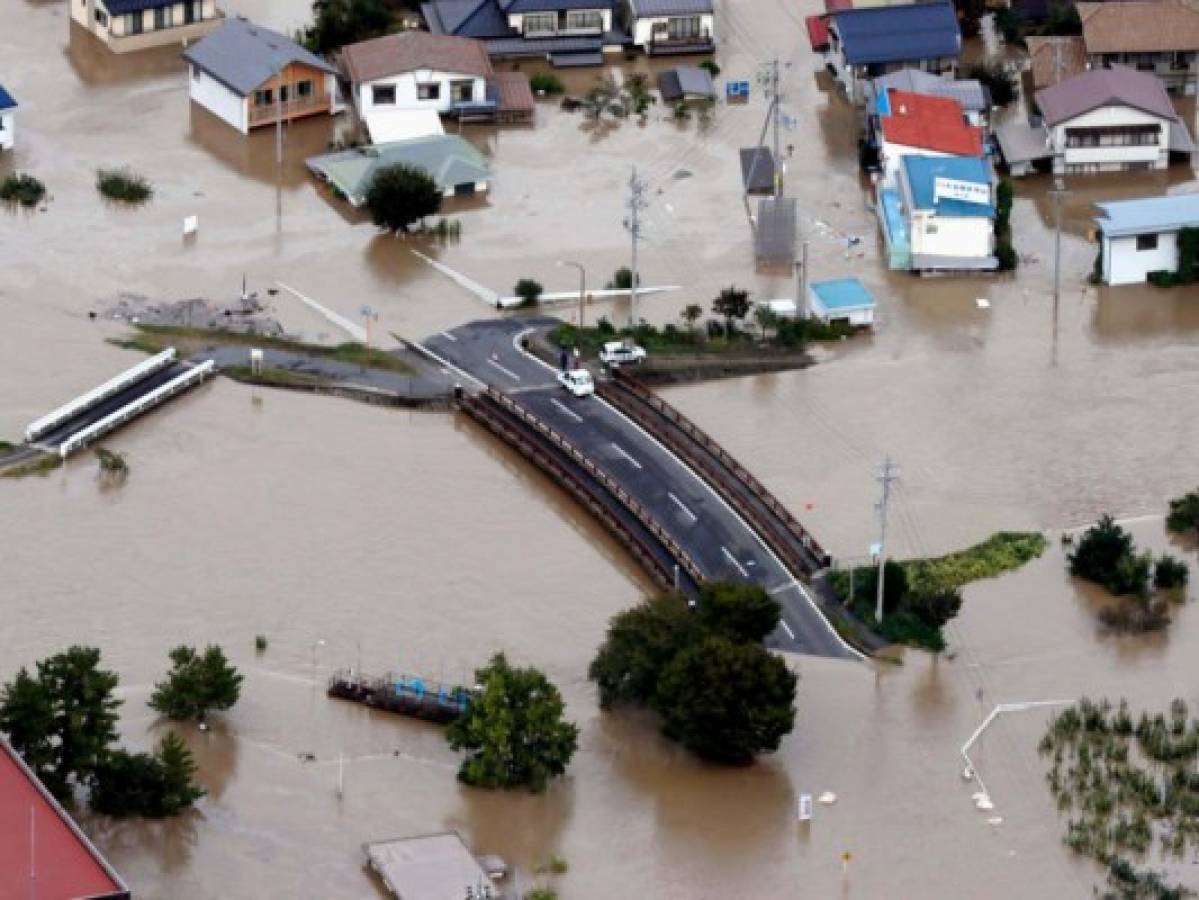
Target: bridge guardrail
[(631, 503)]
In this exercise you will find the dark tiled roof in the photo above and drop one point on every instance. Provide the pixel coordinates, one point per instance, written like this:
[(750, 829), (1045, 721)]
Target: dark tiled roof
[(524, 6), (467, 18), (643, 8), (885, 34), (1117, 86), (242, 55), (122, 7)]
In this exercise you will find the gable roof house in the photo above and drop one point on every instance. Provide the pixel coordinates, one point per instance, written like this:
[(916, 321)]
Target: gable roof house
[(1156, 36), (1140, 236), (250, 76), (661, 27), (868, 42), (8, 117), (970, 93), (1054, 59), (403, 83), (920, 125), (126, 25), (1111, 120), (565, 32)]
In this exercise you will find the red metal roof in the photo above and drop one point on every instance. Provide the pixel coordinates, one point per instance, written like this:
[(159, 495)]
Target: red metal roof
[(43, 853), (930, 123), (833, 6), (817, 32)]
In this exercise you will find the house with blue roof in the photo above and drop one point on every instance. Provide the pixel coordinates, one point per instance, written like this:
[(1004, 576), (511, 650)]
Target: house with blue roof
[(127, 25), (841, 300), (8, 119), (870, 41), (940, 216), (1140, 236)]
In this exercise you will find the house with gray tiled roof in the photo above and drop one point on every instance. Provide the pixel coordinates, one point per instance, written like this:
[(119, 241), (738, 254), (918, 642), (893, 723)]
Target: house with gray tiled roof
[(126, 25), (1156, 36)]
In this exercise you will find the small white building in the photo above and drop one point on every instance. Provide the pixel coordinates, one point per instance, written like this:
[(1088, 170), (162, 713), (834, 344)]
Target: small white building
[(127, 25), (947, 206), (8, 119), (250, 76), (841, 300), (1137, 237), (672, 26)]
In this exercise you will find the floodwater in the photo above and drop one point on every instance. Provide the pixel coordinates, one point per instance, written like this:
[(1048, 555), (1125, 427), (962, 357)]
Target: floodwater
[(413, 541)]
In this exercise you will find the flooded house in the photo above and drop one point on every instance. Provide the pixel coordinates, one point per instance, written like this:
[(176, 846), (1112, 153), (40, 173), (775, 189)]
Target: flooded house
[(1141, 236), (1160, 37), (970, 93), (661, 27), (910, 124), (127, 25), (8, 119), (250, 76)]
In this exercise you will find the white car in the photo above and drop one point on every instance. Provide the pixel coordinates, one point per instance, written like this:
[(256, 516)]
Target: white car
[(578, 381), (616, 353)]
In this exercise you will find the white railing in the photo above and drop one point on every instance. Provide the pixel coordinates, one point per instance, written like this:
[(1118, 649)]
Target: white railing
[(136, 407), (104, 391)]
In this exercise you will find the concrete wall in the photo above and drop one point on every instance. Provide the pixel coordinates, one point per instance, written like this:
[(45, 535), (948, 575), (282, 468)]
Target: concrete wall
[(406, 96), (1155, 155), (958, 236), (218, 99), (1123, 263), (643, 29), (8, 124)]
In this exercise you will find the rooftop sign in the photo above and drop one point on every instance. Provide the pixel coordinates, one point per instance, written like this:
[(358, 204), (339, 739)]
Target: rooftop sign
[(966, 191)]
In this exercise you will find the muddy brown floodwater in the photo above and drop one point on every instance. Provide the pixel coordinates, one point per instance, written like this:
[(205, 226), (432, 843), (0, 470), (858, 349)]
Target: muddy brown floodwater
[(413, 541)]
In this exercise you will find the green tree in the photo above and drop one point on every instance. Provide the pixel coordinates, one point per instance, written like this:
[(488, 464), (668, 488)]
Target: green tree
[(1184, 513), (196, 684), (995, 78), (639, 645), (401, 195), (742, 612), (933, 605), (1105, 554), (622, 279), (27, 717), (142, 784), (766, 318), (179, 788), (731, 304), (1170, 572), (337, 23), (726, 701), (691, 314), (513, 731), (528, 290)]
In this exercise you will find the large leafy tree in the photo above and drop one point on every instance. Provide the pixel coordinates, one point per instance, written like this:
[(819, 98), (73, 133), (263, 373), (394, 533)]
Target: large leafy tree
[(513, 730), (400, 196), (730, 304), (641, 642), (727, 701), (143, 784), (196, 684), (744, 612), (337, 23), (63, 720)]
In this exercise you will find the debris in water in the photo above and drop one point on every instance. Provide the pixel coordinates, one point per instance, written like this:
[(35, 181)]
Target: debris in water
[(983, 303), (681, 174), (995, 820), (827, 798)]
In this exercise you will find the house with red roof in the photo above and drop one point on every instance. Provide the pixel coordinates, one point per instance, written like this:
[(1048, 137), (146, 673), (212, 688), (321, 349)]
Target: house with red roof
[(43, 853), (912, 124)]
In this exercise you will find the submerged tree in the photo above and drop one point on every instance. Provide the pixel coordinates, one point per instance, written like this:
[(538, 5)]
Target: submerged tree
[(731, 304), (400, 196), (196, 684), (513, 730), (143, 784)]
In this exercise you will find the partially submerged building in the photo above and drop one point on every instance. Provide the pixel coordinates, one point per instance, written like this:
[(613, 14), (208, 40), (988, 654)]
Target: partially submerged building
[(687, 84), (1140, 236), (919, 124), (1159, 37), (250, 76), (126, 25), (8, 119), (430, 867), (841, 300)]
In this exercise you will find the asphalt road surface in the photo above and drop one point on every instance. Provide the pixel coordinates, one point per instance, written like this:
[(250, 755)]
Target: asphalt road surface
[(722, 544)]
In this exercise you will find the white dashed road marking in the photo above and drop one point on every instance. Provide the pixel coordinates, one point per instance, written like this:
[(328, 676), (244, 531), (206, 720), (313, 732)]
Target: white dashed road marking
[(566, 410), (507, 372), (679, 503), (729, 556), (787, 628), (619, 449)]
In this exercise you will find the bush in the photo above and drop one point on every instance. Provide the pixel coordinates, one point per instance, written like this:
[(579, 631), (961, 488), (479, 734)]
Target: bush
[(622, 279), (529, 291), (23, 190), (140, 784), (1101, 552), (546, 83), (1010, 25), (710, 65), (1006, 254), (123, 186), (260, 643), (196, 684), (1162, 278), (1184, 513), (400, 196), (1170, 573)]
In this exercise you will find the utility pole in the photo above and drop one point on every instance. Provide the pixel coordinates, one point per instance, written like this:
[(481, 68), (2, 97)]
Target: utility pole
[(1058, 191), (635, 204), (801, 302), (885, 477), (774, 93)]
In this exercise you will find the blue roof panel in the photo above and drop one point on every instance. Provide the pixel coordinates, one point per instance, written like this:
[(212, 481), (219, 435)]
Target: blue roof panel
[(6, 100), (843, 293), (1148, 215), (886, 34), (921, 173)]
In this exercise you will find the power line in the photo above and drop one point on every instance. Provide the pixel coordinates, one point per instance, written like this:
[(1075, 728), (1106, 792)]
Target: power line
[(635, 204), (885, 477)]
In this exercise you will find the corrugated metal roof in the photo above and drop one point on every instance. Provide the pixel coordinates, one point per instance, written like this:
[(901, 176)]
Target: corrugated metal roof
[(967, 91), (1148, 215), (843, 294), (644, 8), (929, 123), (885, 34), (448, 159), (757, 170), (686, 82), (817, 32), (1117, 86), (6, 100), (921, 172), (242, 55)]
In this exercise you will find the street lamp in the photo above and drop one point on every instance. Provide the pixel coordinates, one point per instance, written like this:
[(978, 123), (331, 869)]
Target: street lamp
[(582, 283)]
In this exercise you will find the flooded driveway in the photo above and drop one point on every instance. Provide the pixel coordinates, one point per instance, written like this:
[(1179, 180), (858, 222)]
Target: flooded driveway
[(413, 541)]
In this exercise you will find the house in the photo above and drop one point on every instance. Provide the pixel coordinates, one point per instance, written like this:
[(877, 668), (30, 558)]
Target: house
[(564, 32), (940, 216), (430, 867), (403, 83), (671, 26), (1160, 37), (250, 76), (125, 25), (921, 125), (970, 93), (8, 119), (867, 42), (1111, 120), (34, 827), (1054, 59), (841, 300), (1137, 237), (453, 163), (686, 84)]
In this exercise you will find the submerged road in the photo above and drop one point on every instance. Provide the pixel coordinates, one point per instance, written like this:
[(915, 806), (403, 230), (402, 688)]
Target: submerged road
[(721, 543)]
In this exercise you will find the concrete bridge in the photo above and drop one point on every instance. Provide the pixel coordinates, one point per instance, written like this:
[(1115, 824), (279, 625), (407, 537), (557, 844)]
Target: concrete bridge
[(685, 509)]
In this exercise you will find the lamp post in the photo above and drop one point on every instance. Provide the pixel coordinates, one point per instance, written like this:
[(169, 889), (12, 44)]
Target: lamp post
[(582, 284)]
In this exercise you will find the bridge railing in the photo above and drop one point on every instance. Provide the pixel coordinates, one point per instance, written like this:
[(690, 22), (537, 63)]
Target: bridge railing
[(747, 478), (85, 401)]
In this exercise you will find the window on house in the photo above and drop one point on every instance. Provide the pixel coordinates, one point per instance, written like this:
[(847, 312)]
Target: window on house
[(1114, 136), (383, 95), (304, 89), (193, 11), (683, 27), (462, 91), (540, 24), (264, 97), (196, 73), (429, 91), (133, 23), (101, 17), (284, 94), (1146, 241), (162, 18), (584, 20)]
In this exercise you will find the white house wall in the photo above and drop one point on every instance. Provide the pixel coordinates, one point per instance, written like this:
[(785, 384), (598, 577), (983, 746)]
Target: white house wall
[(643, 28), (1109, 117), (1123, 263), (956, 236), (406, 97), (7, 129), (218, 99)]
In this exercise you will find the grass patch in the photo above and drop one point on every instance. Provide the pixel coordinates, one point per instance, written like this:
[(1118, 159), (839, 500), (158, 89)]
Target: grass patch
[(123, 186), (788, 335), (112, 462), (1002, 552), (19, 189), (43, 464), (284, 377), (7, 446)]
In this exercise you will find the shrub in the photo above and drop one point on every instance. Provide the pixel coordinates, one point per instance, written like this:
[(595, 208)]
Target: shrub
[(1162, 278), (1100, 551), (260, 643), (529, 291), (141, 784), (400, 196), (546, 83), (622, 279), (1010, 25), (1184, 513), (711, 66), (1170, 573), (1006, 254), (123, 186), (23, 190)]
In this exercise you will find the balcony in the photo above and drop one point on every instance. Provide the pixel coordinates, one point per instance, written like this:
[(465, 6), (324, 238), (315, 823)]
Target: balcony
[(662, 43), (292, 109), (185, 33)]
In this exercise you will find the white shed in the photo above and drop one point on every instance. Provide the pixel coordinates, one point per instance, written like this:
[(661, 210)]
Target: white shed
[(841, 300), (1141, 236)]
